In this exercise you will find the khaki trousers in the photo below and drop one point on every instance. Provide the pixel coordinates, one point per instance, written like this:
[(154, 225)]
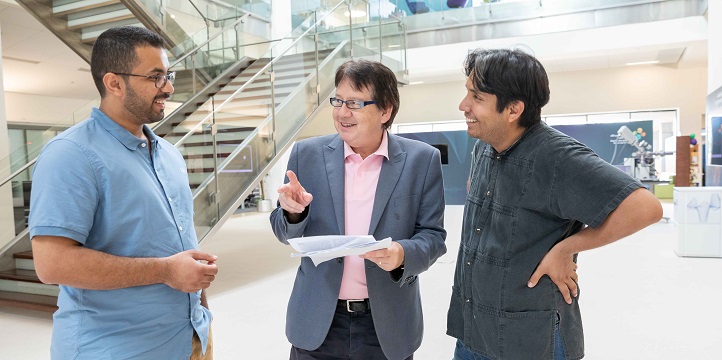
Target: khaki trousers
[(197, 352)]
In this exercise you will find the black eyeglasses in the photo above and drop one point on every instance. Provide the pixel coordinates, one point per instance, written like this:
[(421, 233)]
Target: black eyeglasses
[(351, 104), (160, 80)]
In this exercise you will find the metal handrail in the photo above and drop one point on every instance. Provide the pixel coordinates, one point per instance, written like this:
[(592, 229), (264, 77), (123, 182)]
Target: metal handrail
[(198, 48), (254, 77), (18, 171)]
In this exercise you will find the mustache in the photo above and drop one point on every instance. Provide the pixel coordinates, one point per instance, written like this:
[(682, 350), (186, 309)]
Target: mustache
[(162, 96)]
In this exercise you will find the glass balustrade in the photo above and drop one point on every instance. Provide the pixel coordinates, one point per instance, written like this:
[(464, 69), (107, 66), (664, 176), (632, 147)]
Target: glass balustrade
[(257, 118), (233, 138)]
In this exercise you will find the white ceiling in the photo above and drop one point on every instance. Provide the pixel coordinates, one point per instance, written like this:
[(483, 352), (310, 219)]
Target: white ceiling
[(34, 61)]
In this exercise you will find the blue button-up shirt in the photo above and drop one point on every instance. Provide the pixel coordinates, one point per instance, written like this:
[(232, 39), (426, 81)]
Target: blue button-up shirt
[(97, 184)]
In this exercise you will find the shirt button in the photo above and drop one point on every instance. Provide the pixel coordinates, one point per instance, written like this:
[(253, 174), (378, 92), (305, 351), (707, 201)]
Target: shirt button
[(170, 199), (498, 157), (488, 193), (468, 300), (468, 263), (180, 228), (478, 231), (142, 145)]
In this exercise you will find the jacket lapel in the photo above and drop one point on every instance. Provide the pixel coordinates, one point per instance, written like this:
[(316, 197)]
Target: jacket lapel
[(333, 158), (389, 177)]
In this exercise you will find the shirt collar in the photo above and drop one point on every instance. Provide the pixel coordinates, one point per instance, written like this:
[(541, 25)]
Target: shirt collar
[(121, 134), (526, 133), (383, 149)]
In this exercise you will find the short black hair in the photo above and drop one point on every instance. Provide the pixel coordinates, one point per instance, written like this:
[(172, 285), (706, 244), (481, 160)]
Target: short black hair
[(114, 51), (511, 75), (375, 76)]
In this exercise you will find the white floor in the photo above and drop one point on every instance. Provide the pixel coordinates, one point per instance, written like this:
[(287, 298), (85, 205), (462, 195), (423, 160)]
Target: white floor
[(639, 300)]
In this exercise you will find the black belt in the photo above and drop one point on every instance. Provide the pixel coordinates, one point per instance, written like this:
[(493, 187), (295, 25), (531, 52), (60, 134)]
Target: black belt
[(355, 305)]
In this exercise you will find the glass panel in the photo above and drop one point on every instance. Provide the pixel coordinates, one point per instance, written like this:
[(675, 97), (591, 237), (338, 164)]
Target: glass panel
[(257, 115), (198, 150), (281, 81), (19, 186)]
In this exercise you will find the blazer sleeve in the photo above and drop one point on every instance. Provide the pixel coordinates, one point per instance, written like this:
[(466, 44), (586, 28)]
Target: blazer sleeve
[(428, 242), (279, 223)]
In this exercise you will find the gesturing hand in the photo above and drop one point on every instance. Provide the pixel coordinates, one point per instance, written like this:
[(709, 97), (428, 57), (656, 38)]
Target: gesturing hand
[(185, 273), (561, 268), (292, 196)]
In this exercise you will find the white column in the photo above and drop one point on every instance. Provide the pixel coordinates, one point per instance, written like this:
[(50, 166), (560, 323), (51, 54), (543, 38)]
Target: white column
[(7, 219), (280, 18), (714, 46)]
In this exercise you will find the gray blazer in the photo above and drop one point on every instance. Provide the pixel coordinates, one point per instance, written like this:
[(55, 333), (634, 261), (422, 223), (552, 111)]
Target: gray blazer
[(408, 207)]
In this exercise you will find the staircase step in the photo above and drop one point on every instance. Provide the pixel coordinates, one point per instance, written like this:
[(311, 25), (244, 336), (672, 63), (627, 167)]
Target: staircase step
[(23, 255), (24, 260), (25, 281), (29, 301), (20, 275), (90, 34), (109, 17), (81, 5)]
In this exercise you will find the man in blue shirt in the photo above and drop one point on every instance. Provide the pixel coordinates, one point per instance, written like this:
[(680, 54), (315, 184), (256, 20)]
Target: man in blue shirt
[(111, 218), (532, 189)]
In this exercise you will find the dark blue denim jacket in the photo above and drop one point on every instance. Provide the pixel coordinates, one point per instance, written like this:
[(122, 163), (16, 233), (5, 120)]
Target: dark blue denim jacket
[(521, 202)]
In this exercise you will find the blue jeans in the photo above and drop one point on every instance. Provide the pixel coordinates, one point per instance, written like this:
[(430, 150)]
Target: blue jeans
[(464, 353)]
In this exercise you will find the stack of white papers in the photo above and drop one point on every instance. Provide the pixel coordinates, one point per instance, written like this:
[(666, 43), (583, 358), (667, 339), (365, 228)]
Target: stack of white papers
[(327, 247)]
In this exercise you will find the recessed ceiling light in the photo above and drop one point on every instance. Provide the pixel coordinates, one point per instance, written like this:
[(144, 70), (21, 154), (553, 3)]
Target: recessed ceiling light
[(355, 13), (642, 63)]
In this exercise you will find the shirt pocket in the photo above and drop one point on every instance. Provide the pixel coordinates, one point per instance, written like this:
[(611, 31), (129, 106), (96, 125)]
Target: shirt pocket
[(527, 334), (514, 335)]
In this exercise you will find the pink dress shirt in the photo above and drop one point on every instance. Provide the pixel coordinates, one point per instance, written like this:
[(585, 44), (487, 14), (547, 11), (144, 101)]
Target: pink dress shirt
[(361, 177)]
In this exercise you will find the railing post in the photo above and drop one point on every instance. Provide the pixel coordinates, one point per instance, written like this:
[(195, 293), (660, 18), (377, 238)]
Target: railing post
[(272, 76), (318, 74), (403, 28), (350, 28), (193, 73), (238, 45), (381, 36), (214, 140)]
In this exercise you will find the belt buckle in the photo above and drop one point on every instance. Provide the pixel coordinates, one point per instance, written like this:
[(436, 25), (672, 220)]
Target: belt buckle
[(348, 304)]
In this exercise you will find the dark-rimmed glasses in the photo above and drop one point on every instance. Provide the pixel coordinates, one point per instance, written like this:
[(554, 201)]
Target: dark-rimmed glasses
[(160, 80), (351, 104)]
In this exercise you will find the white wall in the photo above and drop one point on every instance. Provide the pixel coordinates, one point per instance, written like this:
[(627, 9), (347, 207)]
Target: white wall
[(632, 88), (7, 224), (714, 50), (609, 90), (280, 18)]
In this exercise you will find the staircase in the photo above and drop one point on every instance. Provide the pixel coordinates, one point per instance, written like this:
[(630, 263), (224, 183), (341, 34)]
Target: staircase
[(20, 287), (243, 113), (230, 132), (78, 23)]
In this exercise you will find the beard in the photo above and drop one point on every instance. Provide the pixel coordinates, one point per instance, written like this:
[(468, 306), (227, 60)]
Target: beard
[(143, 110)]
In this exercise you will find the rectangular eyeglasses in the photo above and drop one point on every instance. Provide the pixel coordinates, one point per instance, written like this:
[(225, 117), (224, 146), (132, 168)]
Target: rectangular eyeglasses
[(351, 104), (160, 80)]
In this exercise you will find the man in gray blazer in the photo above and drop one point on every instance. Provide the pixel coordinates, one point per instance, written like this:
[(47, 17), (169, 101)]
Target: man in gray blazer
[(362, 181)]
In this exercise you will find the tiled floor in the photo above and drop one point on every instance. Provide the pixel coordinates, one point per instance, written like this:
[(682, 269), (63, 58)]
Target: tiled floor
[(639, 300)]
